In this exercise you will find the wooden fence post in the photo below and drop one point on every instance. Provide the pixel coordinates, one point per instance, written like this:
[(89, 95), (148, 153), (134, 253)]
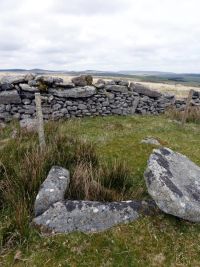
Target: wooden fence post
[(40, 122), (185, 113)]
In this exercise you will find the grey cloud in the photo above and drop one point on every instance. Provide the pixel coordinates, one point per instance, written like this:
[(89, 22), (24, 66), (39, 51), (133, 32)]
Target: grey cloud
[(99, 34), (91, 7), (9, 46)]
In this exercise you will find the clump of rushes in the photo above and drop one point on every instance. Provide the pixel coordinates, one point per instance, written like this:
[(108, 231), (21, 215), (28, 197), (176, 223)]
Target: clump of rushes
[(117, 176), (103, 182)]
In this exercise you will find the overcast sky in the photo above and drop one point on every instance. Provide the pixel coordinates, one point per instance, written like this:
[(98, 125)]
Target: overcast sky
[(162, 35)]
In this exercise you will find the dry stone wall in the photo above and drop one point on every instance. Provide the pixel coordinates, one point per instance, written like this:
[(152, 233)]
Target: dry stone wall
[(78, 98)]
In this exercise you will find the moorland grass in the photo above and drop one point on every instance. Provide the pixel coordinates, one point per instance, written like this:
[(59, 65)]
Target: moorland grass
[(112, 143)]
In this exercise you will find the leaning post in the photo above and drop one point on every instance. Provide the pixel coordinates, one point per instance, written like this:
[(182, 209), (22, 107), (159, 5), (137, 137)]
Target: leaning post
[(40, 121), (185, 113)]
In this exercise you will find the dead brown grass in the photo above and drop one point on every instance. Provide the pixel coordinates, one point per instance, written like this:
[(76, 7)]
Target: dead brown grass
[(101, 182), (177, 114)]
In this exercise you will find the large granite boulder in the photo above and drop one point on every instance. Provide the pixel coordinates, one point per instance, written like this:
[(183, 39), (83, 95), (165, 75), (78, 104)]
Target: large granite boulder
[(173, 181), (48, 80), (10, 97), (143, 90), (83, 80), (77, 92), (52, 190)]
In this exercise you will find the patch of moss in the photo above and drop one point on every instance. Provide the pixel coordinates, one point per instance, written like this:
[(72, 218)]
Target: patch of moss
[(43, 87)]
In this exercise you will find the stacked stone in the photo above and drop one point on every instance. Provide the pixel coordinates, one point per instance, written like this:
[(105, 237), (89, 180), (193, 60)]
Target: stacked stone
[(180, 103), (78, 98), (151, 102)]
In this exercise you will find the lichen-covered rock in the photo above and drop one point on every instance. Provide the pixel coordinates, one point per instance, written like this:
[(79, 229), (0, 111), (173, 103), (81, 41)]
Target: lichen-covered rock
[(13, 79), (6, 86), (77, 92), (49, 80), (100, 81), (52, 190), (121, 82), (65, 84), (10, 97), (110, 83), (83, 80), (30, 77), (28, 124), (28, 88), (116, 88), (151, 141), (90, 216), (173, 181), (100, 84), (135, 105), (141, 89)]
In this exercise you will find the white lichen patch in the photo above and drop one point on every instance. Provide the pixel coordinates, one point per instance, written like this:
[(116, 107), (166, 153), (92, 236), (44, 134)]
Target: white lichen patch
[(62, 177), (95, 210), (50, 190), (182, 204)]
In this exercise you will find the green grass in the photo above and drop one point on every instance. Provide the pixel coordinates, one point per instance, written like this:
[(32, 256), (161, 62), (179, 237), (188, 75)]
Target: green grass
[(151, 241)]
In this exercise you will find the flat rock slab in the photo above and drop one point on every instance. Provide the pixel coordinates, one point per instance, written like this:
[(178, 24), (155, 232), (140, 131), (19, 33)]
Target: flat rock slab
[(27, 88), (13, 79), (10, 97), (78, 92), (141, 89), (90, 216), (151, 141), (52, 190), (173, 181), (116, 88)]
